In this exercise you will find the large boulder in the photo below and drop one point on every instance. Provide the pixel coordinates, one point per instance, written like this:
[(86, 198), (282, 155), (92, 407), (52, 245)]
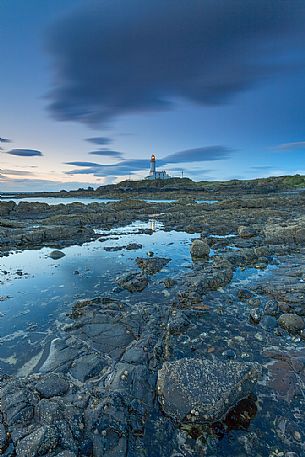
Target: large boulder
[(201, 390), (200, 249), (291, 322)]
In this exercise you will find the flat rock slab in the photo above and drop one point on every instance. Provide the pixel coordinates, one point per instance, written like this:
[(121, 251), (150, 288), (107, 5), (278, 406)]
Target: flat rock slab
[(133, 281), (201, 390), (52, 385), (152, 266)]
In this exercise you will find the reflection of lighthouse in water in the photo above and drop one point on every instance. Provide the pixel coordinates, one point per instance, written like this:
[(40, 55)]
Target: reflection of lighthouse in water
[(152, 165)]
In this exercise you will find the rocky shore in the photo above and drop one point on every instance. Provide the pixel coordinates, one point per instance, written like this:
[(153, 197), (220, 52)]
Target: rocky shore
[(215, 369)]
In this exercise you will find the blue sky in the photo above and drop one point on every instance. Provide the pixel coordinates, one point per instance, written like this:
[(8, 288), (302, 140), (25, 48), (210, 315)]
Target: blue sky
[(93, 88)]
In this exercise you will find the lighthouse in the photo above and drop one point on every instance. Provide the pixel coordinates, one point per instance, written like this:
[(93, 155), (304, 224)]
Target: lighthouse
[(152, 166), (153, 173)]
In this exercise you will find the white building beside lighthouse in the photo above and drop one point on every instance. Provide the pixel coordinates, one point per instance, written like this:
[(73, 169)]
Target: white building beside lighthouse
[(153, 173)]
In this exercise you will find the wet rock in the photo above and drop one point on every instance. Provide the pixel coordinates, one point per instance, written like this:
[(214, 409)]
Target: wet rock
[(40, 442), (114, 248), (133, 246), (169, 282), (229, 354), (268, 323), (66, 454), (244, 294), (197, 390), (286, 372), (200, 249), (56, 255), (153, 265), (291, 322), (246, 232), (133, 281), (255, 316), (18, 402), (3, 437), (52, 385), (271, 308), (88, 366), (177, 323)]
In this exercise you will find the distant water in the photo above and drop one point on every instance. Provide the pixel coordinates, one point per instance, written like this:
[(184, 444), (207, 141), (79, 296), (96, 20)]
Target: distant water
[(58, 200), (84, 200)]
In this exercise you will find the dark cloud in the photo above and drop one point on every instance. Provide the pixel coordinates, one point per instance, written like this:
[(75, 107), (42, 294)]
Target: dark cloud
[(286, 147), (199, 154), (99, 140), (107, 153), (24, 152), (5, 140), (119, 169), (126, 167), (83, 164), (124, 56)]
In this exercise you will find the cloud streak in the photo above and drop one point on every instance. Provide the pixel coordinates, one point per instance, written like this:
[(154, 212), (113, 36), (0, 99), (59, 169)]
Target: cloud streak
[(119, 57), (286, 147), (24, 152), (107, 153), (99, 140), (125, 167)]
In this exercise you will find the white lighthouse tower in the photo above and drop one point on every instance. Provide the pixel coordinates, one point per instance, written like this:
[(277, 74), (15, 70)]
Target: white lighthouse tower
[(152, 171)]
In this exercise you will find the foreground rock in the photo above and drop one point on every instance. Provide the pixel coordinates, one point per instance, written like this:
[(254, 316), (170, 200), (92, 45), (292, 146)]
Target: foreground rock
[(133, 281), (199, 390), (200, 249), (291, 322), (56, 255), (153, 265)]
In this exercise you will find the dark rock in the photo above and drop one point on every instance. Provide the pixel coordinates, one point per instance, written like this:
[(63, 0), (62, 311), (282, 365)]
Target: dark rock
[(255, 316), (56, 255), (229, 354), (169, 282), (271, 308), (268, 323), (52, 385), (40, 442), (246, 232), (177, 323), (291, 322), (197, 390), (200, 249), (133, 281), (88, 366), (114, 248), (244, 294), (153, 265), (133, 246)]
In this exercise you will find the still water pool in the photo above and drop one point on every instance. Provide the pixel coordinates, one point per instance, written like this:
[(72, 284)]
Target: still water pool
[(36, 291)]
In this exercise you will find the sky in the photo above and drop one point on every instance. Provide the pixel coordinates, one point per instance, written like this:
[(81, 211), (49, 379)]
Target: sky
[(89, 89)]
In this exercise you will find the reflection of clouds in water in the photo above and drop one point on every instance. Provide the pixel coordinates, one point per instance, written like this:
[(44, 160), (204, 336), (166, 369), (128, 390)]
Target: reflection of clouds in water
[(86, 271)]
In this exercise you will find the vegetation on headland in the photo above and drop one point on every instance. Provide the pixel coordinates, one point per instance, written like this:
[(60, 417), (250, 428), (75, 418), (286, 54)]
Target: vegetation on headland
[(172, 186)]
